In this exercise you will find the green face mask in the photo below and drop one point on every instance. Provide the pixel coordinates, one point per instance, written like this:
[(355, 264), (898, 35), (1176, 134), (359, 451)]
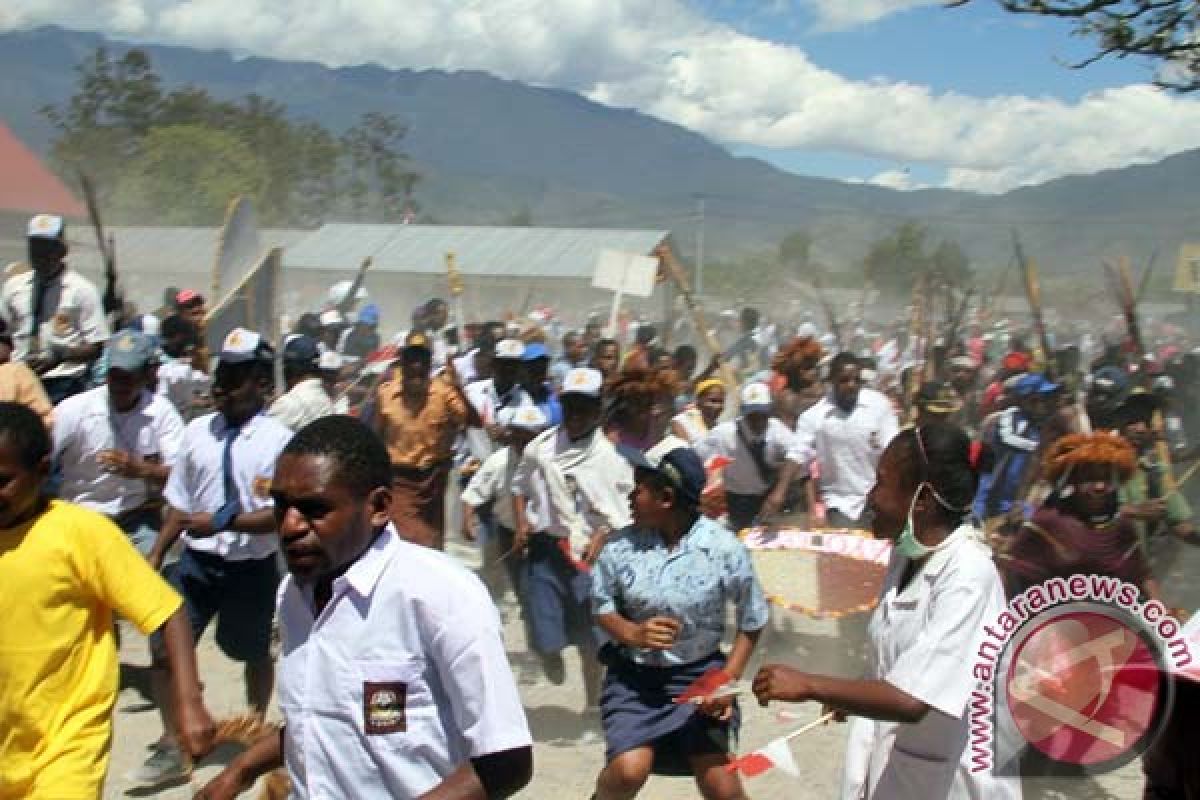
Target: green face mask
[(906, 543)]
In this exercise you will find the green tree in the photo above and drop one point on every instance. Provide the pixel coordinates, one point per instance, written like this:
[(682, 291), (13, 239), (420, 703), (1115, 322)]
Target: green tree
[(377, 180), (185, 175), (896, 261), (1164, 31), (795, 251)]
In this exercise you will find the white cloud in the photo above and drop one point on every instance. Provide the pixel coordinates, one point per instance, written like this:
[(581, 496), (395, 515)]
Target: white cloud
[(840, 15), (666, 60), (894, 179)]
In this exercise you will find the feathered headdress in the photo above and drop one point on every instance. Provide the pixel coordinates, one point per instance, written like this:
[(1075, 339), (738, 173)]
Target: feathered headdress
[(1076, 449), (800, 353)]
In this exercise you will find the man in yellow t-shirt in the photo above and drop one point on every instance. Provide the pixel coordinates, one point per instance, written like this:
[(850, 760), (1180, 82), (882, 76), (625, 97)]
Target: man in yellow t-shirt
[(64, 570)]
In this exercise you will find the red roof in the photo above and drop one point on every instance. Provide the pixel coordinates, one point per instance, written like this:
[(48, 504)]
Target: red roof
[(27, 185)]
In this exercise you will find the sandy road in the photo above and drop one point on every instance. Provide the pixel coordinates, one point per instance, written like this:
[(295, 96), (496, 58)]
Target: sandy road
[(568, 751)]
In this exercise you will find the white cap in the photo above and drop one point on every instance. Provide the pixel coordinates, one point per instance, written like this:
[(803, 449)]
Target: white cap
[(331, 317), (240, 346), (510, 349), (756, 398), (329, 359), (585, 381), (46, 226), (807, 329), (527, 418), (339, 291)]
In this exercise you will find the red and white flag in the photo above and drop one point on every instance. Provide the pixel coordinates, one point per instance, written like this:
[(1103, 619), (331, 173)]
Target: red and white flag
[(776, 754)]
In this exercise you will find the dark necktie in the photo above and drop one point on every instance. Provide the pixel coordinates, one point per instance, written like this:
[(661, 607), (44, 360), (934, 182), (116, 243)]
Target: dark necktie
[(233, 505)]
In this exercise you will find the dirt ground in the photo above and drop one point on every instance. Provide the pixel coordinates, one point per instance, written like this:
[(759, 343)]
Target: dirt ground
[(569, 751)]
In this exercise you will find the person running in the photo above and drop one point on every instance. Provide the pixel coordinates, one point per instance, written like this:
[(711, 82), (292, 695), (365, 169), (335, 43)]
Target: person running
[(420, 417), (217, 499), (570, 491), (64, 571), (799, 386), (847, 430), (305, 399), (393, 678), (180, 380), (697, 420), (54, 313), (661, 589), (765, 458), (115, 444), (490, 491), (909, 734)]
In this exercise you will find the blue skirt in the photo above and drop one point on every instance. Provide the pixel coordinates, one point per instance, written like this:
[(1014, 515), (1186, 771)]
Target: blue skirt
[(638, 709)]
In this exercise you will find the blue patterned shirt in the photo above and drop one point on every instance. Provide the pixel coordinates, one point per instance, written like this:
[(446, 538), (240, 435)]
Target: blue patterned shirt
[(638, 577)]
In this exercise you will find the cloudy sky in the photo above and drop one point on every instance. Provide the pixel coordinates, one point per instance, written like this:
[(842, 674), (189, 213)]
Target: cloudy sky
[(898, 92)]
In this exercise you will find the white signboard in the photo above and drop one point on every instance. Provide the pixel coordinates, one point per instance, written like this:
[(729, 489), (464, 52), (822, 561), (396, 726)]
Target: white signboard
[(625, 273)]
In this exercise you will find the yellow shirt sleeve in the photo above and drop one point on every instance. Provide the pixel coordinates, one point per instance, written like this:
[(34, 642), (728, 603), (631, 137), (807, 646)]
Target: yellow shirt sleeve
[(121, 578)]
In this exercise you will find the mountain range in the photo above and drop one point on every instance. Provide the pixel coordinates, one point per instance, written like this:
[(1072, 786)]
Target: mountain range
[(488, 148)]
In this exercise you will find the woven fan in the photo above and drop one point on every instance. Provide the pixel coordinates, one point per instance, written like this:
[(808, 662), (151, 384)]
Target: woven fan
[(825, 574)]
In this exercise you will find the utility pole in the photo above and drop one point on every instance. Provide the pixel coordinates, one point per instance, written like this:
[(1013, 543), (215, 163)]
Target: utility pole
[(700, 245)]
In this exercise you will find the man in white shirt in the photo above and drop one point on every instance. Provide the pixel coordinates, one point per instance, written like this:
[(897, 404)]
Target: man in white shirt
[(393, 678), (305, 400), (115, 444), (179, 381), (570, 490), (218, 498), (847, 430), (765, 455), (489, 396), (54, 313)]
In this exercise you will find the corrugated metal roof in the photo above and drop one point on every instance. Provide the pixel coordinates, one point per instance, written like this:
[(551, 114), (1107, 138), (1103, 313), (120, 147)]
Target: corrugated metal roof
[(479, 251), (163, 249)]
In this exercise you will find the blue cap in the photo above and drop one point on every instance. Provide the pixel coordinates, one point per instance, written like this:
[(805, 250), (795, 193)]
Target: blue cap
[(368, 314), (677, 463), (301, 349), (130, 350), (1034, 383), (534, 351), (1110, 379)]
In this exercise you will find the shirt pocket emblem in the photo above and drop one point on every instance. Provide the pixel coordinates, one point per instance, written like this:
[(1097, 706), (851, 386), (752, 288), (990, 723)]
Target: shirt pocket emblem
[(384, 707), (262, 487)]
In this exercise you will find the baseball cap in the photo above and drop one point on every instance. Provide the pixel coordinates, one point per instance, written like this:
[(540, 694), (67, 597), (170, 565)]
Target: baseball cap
[(187, 297), (417, 340), (1110, 380), (242, 346), (677, 463), (330, 360), (756, 398), (512, 349), (130, 350), (1034, 383), (47, 226), (583, 381), (369, 314), (937, 397), (331, 317), (527, 418), (534, 351), (301, 350)]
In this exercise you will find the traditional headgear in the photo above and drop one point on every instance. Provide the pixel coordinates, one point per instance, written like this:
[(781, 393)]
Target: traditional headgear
[(1076, 449), (709, 383), (801, 352)]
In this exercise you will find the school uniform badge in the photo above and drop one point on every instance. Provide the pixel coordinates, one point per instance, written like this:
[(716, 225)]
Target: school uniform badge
[(261, 486), (383, 707)]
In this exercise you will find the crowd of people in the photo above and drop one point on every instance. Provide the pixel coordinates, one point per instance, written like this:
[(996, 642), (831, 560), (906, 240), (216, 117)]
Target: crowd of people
[(294, 494)]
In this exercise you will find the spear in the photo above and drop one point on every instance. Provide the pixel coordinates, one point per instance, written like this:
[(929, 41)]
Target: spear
[(347, 303), (112, 293), (1033, 293), (1144, 281)]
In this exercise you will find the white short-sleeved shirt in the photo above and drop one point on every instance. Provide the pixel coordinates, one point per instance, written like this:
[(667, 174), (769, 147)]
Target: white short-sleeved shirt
[(487, 403), (85, 425), (847, 446), (197, 483), (305, 402), (743, 475), (72, 315), (921, 640), (401, 679), (492, 483), (182, 384)]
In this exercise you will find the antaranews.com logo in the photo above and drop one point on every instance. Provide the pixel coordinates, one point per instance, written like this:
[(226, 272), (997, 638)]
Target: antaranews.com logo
[(1079, 670)]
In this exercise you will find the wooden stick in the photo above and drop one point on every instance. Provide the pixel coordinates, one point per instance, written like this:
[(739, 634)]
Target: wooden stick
[(821, 720)]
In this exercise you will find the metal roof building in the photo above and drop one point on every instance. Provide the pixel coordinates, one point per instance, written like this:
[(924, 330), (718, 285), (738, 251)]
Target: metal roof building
[(503, 269), (512, 252)]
